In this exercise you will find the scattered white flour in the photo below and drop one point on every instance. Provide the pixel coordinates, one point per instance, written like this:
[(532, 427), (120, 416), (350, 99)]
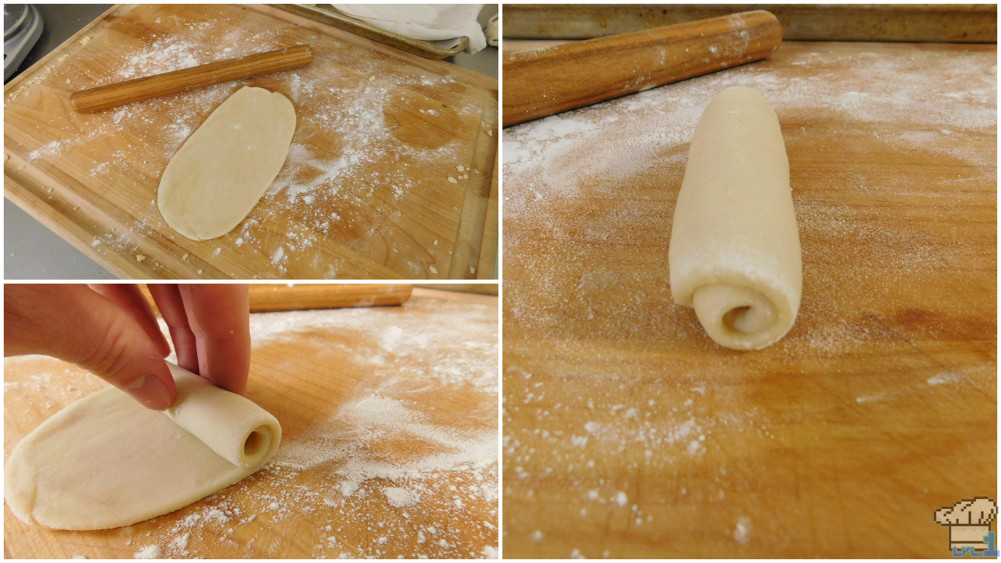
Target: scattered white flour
[(944, 378), (350, 169), (620, 498), (601, 391), (742, 531), (149, 552), (400, 497), (382, 472), (348, 448), (180, 543), (870, 398), (36, 383), (695, 448), (454, 349), (277, 255), (49, 149)]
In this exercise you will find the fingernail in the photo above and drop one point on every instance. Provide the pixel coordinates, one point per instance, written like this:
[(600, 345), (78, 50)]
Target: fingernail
[(150, 391)]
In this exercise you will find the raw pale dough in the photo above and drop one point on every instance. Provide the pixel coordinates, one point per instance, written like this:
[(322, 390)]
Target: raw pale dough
[(734, 252), (225, 166), (106, 461)]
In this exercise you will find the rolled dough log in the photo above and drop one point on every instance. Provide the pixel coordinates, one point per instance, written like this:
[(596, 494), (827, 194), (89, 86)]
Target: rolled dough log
[(734, 254), (224, 167), (106, 461)]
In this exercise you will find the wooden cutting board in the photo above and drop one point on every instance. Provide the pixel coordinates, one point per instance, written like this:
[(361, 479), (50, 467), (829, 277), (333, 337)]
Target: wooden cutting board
[(291, 297), (389, 447), (389, 175), (628, 433)]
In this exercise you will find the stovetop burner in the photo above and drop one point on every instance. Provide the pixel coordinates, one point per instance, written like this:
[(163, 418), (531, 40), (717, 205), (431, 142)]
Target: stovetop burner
[(22, 25)]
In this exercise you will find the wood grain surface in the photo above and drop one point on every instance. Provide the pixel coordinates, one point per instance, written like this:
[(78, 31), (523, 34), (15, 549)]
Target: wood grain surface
[(187, 79), (266, 297), (629, 433), (389, 447), (543, 82), (800, 22), (389, 174)]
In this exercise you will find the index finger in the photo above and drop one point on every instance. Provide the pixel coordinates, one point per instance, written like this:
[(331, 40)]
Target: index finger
[(219, 316)]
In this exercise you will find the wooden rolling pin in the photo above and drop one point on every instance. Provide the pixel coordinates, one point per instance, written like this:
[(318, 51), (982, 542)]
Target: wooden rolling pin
[(285, 297), (113, 95), (571, 75), (325, 296)]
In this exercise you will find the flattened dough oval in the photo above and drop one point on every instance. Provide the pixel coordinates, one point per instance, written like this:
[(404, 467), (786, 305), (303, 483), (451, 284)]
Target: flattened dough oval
[(734, 254), (225, 166), (106, 461)]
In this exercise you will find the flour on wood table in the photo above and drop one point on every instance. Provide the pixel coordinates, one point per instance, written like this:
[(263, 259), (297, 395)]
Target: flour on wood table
[(454, 349), (742, 530), (400, 497), (559, 153), (889, 87), (47, 379), (450, 469), (944, 378), (337, 482), (318, 176), (149, 552), (657, 430), (587, 200), (585, 178)]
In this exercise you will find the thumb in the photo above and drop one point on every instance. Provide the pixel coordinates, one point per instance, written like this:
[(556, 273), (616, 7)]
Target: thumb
[(75, 324)]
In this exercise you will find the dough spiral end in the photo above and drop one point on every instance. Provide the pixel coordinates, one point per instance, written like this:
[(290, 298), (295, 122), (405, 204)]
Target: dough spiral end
[(739, 317), (734, 254), (219, 418)]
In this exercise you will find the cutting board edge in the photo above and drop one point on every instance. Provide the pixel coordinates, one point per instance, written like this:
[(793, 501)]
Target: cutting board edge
[(476, 201), (71, 230)]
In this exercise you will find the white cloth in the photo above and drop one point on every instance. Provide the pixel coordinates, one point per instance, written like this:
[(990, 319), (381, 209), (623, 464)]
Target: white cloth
[(428, 22)]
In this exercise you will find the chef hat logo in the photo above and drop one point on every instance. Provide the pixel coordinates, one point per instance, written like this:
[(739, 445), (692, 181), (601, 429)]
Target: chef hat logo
[(969, 522), (978, 511)]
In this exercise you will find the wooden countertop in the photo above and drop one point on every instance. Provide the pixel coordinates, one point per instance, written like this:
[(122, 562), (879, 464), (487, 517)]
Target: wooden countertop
[(389, 417), (391, 172), (628, 433)]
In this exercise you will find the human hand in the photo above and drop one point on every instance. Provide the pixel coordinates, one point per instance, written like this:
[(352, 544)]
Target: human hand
[(111, 331), (209, 325)]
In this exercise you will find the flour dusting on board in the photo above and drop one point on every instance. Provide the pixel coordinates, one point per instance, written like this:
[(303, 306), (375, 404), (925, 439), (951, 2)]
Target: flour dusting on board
[(382, 473), (361, 479), (593, 179), (639, 446), (346, 175), (888, 87), (149, 552)]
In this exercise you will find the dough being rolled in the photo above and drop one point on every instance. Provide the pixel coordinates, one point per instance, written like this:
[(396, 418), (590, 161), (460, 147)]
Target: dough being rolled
[(224, 167), (106, 461), (231, 425), (734, 254)]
